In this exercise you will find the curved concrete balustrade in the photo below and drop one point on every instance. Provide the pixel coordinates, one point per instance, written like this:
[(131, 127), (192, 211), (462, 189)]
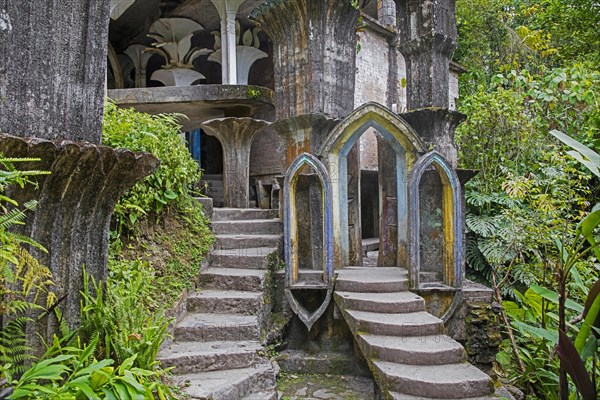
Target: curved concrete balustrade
[(199, 103)]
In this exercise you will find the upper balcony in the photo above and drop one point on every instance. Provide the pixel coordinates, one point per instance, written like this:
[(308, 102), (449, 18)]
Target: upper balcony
[(200, 58)]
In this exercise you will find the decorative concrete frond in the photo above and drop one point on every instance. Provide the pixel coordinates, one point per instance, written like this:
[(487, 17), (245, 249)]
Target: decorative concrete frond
[(247, 54), (173, 41), (118, 7), (177, 76)]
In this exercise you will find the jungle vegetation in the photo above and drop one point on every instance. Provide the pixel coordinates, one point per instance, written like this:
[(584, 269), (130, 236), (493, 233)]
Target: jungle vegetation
[(532, 97)]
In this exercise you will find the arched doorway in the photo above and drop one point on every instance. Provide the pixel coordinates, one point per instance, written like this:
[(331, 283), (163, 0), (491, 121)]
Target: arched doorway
[(405, 146)]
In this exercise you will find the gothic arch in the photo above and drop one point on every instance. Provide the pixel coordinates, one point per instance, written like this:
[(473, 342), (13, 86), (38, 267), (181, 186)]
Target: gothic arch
[(406, 144), (451, 215), (291, 238)]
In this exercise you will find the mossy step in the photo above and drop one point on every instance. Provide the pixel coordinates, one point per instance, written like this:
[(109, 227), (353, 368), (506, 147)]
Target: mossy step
[(215, 327), (192, 357), (449, 381), (225, 302), (251, 257), (249, 227), (240, 214), (240, 241), (400, 396), (417, 350), (230, 384), (232, 279)]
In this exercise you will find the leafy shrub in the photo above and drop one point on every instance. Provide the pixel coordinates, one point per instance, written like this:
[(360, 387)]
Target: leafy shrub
[(72, 372), (160, 136), (124, 316)]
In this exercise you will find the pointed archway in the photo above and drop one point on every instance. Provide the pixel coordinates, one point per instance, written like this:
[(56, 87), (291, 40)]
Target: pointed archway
[(405, 146), (452, 271), (291, 237)]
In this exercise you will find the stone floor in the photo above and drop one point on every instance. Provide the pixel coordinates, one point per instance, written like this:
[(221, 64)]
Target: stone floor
[(324, 387)]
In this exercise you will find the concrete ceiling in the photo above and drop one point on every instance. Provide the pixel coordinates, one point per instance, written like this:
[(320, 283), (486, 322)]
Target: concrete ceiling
[(133, 24)]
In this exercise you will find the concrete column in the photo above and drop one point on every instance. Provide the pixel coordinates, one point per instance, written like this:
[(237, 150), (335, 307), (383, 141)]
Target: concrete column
[(53, 68), (231, 49), (386, 12), (224, 52), (235, 135), (52, 82), (314, 55), (427, 41), (227, 12), (354, 220)]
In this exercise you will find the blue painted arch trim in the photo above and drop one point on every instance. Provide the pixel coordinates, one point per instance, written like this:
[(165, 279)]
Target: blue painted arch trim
[(290, 214), (450, 182)]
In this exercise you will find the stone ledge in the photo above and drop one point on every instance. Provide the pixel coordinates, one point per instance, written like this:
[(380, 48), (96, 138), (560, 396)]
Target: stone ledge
[(198, 103)]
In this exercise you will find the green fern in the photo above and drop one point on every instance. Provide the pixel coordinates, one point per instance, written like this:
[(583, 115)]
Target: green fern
[(13, 347)]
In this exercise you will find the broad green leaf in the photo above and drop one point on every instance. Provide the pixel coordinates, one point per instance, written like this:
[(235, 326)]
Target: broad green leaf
[(171, 195), (590, 348), (86, 389), (537, 332), (592, 310), (588, 153), (589, 223), (553, 297)]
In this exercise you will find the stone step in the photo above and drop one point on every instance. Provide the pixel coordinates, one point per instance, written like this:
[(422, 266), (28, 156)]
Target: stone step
[(270, 394), (450, 381), (417, 350), (250, 258), (231, 384), (251, 227), (244, 214), (232, 279), (400, 396), (406, 324), (216, 327), (225, 302), (246, 241), (371, 280), (398, 302), (193, 357)]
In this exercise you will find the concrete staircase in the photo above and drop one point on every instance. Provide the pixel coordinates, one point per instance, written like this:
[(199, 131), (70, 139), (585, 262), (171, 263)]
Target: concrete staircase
[(405, 346), (217, 350)]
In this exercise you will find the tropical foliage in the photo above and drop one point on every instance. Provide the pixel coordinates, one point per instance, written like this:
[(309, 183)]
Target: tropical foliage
[(159, 135), (531, 217)]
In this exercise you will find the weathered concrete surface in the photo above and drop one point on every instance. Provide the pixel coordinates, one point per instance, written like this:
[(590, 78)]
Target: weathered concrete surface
[(75, 205), (322, 386), (235, 135), (436, 126), (53, 68), (427, 41), (314, 55)]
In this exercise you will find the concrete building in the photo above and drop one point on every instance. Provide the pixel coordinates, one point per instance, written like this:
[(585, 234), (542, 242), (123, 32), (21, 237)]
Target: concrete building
[(325, 129)]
